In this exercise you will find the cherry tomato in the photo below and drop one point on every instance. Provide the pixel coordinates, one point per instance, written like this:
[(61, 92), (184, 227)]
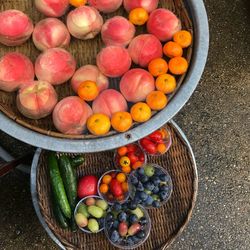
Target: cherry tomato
[(141, 157), (149, 146), (137, 164), (133, 158), (124, 161), (116, 188), (156, 136), (122, 151), (131, 148)]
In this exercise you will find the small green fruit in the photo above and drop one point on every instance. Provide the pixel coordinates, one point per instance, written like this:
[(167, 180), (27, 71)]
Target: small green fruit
[(82, 209), (138, 212), (81, 220), (95, 211), (93, 225), (149, 170), (102, 204)]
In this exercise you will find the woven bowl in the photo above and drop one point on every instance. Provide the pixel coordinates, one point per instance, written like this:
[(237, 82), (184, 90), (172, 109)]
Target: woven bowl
[(85, 53), (167, 222)]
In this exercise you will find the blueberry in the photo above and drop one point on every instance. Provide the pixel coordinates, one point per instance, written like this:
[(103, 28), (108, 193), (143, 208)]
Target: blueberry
[(163, 195), (149, 201), (134, 180), (115, 224), (114, 236), (140, 171), (101, 222), (135, 239), (141, 235), (156, 190), (143, 221), (140, 187), (109, 217), (136, 200), (156, 204), (143, 196), (132, 218), (125, 206), (144, 179), (117, 207), (132, 205), (130, 241), (164, 188), (122, 216), (163, 178), (156, 180), (149, 185)]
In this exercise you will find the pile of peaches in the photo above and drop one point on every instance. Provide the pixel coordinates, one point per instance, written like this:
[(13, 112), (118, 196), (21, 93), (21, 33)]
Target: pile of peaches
[(157, 59)]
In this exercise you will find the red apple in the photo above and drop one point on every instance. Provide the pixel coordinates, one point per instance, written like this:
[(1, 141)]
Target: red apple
[(87, 185)]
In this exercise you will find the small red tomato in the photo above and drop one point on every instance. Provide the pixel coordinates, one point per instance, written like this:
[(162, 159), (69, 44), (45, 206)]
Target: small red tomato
[(133, 158), (141, 157), (116, 188), (131, 148), (156, 136), (149, 146)]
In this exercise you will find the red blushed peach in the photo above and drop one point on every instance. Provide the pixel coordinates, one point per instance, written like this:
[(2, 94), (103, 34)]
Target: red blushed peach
[(106, 6), (136, 84), (50, 33), (70, 115), (52, 8), (163, 24), (89, 73), (113, 61), (36, 100), (117, 31), (84, 22), (148, 5), (55, 66), (15, 27), (15, 70), (145, 48), (109, 102)]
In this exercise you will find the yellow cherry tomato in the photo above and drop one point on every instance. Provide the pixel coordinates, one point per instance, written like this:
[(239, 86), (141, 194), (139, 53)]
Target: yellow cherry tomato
[(138, 16), (124, 161), (77, 3)]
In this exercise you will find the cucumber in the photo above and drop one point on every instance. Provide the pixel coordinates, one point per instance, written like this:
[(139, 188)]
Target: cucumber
[(69, 180), (77, 161), (73, 225), (61, 220), (57, 185)]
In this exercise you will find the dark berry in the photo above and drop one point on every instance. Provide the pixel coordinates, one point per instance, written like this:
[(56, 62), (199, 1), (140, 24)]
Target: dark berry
[(109, 217), (122, 216), (130, 241), (156, 180), (163, 195), (149, 185), (143, 221), (164, 188), (101, 222), (132, 218), (115, 224), (143, 196), (144, 179), (156, 190), (136, 200), (134, 180), (117, 207), (140, 171), (164, 178), (141, 235), (156, 204), (114, 236), (140, 187), (132, 205), (149, 201)]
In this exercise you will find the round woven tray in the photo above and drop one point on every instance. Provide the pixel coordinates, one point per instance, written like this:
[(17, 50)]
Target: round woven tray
[(42, 133), (167, 222)]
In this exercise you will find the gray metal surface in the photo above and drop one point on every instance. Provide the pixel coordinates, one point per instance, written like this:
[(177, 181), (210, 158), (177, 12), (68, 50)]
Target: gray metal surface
[(200, 52), (34, 189)]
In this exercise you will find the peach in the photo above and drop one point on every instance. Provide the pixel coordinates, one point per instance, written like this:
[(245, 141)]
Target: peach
[(109, 102), (145, 48), (89, 73), (136, 84), (148, 5), (50, 33), (36, 99), (117, 31), (15, 70), (70, 115), (106, 6), (52, 8), (163, 24), (15, 27), (113, 61), (84, 22), (55, 66)]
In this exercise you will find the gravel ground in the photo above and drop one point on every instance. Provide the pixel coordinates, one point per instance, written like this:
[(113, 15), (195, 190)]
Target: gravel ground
[(215, 120)]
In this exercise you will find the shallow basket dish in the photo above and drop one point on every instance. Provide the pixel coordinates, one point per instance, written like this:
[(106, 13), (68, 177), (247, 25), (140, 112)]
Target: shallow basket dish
[(167, 222), (42, 133)]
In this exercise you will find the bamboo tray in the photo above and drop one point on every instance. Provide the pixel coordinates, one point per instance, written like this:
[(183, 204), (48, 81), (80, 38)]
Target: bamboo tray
[(168, 222)]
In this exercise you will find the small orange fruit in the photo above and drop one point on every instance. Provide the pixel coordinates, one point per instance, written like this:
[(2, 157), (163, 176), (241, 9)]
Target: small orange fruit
[(140, 112), (138, 16), (122, 151), (104, 188), (126, 169), (98, 124), (106, 179), (125, 187), (172, 49), (183, 38), (88, 91), (77, 3), (165, 133), (121, 121), (156, 100), (161, 148), (121, 177), (165, 83), (178, 65), (158, 67), (137, 164)]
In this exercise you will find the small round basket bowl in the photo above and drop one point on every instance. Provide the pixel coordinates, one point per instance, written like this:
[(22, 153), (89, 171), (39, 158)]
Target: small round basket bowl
[(168, 221)]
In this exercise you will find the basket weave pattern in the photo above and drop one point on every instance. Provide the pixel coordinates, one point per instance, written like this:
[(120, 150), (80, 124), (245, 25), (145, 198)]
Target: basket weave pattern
[(84, 52), (167, 221)]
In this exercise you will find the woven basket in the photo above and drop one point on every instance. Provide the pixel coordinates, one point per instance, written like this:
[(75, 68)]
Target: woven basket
[(167, 222), (85, 53)]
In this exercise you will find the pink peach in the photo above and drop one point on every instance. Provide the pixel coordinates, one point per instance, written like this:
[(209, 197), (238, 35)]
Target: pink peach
[(55, 66), (89, 73), (84, 22), (15, 70), (52, 8), (163, 24), (109, 102), (113, 61), (70, 115), (37, 99), (136, 84), (148, 5), (145, 48), (117, 31), (15, 27), (106, 6), (50, 33)]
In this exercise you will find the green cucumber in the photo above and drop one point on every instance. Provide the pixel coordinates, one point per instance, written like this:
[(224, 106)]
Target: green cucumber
[(69, 180), (57, 185), (77, 161)]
